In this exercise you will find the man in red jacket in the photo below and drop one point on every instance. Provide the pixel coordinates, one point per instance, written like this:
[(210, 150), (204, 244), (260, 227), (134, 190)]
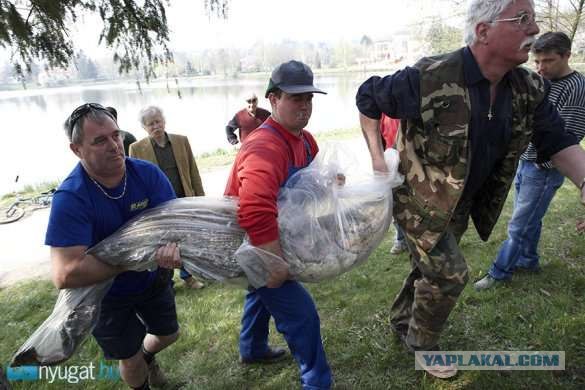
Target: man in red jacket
[(247, 119), (389, 129), (270, 155)]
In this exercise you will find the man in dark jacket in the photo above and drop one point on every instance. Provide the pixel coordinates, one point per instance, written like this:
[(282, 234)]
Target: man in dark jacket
[(466, 118)]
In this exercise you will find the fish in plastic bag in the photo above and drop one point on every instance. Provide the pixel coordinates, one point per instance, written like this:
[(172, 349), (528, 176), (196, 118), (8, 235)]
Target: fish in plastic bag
[(325, 230)]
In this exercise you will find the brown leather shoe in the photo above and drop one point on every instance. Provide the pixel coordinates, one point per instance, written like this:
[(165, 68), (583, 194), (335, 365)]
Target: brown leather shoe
[(441, 372), (273, 355), (156, 378), (400, 332), (193, 283)]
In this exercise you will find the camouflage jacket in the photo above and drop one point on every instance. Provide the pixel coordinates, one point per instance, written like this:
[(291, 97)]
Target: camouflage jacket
[(435, 151)]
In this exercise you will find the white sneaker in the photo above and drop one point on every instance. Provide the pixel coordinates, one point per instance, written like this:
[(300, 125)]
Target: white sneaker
[(398, 248), (485, 283)]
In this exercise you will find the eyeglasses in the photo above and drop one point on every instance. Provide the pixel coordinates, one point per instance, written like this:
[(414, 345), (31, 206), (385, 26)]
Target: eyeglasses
[(250, 101), (82, 111), (523, 21)]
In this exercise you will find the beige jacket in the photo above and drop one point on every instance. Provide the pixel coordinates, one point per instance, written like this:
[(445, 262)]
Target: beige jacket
[(184, 157)]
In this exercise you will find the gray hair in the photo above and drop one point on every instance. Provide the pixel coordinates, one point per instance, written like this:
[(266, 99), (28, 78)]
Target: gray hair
[(148, 112), (483, 11), (75, 133)]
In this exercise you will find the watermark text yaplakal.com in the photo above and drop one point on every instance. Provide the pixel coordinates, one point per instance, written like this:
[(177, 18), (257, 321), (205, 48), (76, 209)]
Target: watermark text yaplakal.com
[(69, 374), (491, 360)]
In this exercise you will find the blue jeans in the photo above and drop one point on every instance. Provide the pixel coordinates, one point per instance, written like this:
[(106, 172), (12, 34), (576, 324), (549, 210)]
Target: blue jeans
[(184, 273), (295, 316), (399, 237), (535, 189)]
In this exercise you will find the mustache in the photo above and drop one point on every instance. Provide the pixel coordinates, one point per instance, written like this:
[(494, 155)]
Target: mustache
[(527, 42)]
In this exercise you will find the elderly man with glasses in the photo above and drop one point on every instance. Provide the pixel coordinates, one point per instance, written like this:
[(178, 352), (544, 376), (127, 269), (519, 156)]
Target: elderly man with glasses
[(172, 153), (467, 116), (138, 316), (247, 119)]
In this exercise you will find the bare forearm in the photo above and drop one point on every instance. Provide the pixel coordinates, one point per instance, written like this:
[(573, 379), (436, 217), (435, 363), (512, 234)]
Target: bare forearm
[(370, 129), (571, 163), (272, 247), (82, 270), (278, 269)]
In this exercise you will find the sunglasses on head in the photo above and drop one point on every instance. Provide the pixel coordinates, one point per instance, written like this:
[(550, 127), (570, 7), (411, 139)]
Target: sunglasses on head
[(83, 110)]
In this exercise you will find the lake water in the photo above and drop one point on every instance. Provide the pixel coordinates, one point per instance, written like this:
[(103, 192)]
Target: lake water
[(37, 150)]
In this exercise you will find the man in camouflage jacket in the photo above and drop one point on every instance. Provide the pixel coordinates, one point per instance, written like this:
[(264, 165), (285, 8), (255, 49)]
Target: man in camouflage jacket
[(459, 148)]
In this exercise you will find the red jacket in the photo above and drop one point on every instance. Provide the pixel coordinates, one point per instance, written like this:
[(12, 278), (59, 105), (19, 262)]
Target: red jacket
[(247, 122), (389, 130), (260, 169)]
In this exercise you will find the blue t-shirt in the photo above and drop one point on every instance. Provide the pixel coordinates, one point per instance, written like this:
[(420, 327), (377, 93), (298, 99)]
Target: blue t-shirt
[(82, 215)]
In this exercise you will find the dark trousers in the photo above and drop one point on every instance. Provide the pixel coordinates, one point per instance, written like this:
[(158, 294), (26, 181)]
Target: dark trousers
[(430, 291)]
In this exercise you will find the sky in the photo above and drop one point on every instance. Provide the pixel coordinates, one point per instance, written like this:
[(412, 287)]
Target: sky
[(251, 21)]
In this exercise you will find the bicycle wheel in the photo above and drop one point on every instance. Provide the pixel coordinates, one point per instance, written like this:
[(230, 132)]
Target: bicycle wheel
[(10, 214)]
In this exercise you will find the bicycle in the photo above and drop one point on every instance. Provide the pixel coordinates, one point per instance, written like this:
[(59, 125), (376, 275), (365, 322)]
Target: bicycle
[(18, 208)]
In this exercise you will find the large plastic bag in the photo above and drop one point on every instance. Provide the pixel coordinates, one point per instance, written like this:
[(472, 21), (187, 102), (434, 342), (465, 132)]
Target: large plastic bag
[(73, 318), (205, 229), (325, 228), (208, 235)]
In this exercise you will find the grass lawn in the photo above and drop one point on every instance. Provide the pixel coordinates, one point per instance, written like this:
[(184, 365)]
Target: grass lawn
[(222, 157), (543, 311)]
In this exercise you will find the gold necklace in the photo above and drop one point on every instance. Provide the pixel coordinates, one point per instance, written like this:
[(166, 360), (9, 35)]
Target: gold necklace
[(108, 195)]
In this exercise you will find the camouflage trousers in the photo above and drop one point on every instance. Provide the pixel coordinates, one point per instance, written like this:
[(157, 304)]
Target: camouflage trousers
[(430, 291)]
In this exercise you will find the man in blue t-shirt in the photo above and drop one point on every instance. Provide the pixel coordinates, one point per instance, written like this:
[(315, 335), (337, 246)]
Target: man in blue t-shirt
[(138, 316)]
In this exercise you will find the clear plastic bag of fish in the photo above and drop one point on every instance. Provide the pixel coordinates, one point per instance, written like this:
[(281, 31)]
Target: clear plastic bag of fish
[(207, 232), (73, 318), (327, 228), (205, 229)]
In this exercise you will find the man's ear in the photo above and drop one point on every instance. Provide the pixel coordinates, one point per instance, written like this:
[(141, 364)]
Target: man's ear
[(481, 32), (567, 55), (272, 98), (75, 149)]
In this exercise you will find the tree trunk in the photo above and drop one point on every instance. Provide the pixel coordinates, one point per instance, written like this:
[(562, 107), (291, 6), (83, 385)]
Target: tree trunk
[(577, 20)]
